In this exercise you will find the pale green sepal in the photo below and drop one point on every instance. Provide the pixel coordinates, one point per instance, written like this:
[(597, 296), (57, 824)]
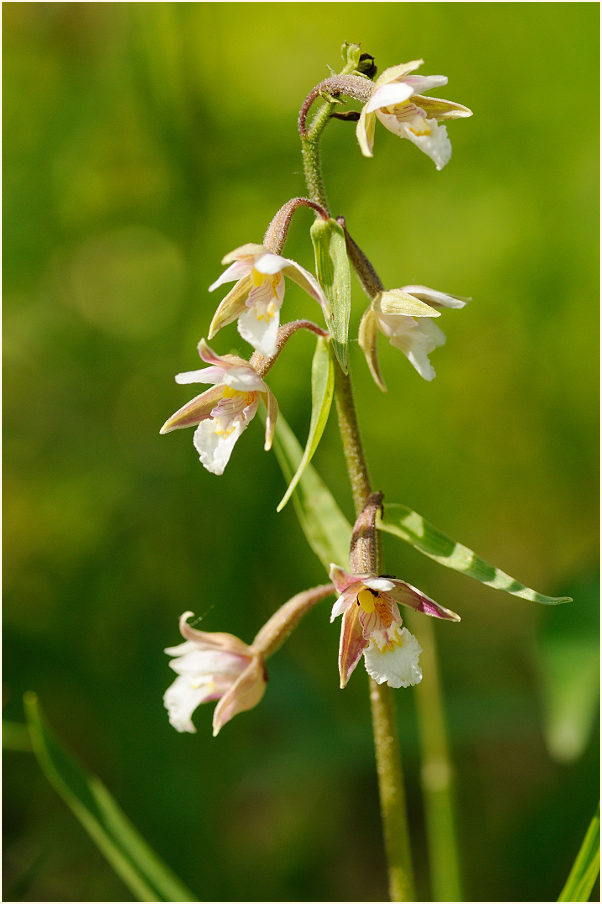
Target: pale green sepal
[(231, 306), (586, 867), (412, 527), (251, 249), (368, 342), (325, 527), (395, 301), (147, 877), (332, 269), (322, 390)]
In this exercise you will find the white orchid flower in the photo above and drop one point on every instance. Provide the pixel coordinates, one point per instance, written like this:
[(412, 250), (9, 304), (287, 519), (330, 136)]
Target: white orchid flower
[(225, 410), (257, 297), (405, 317), (397, 101)]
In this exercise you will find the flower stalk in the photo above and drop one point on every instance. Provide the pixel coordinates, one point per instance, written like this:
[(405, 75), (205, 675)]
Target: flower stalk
[(386, 743)]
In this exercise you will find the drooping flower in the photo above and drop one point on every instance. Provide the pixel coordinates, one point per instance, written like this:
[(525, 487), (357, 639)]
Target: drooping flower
[(257, 297), (212, 666), (225, 410), (404, 316), (397, 102), (372, 626)]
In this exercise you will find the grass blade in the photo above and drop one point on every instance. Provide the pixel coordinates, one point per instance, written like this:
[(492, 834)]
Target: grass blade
[(586, 866), (147, 877)]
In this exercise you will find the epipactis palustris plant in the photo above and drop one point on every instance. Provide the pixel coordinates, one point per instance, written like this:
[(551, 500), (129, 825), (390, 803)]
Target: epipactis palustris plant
[(220, 667)]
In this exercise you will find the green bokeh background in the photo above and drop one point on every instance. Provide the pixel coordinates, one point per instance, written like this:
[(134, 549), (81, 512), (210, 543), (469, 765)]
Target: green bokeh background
[(141, 143)]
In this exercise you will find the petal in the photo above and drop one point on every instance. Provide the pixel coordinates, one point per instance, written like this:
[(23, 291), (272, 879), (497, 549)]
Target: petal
[(352, 644), (260, 332), (235, 271), (368, 341), (244, 694), (346, 599), (389, 95), (398, 667), (244, 378), (193, 412), (181, 699), (307, 282), (207, 665), (271, 407), (420, 83), (364, 132), (396, 73), (433, 297), (215, 448), (410, 596), (440, 109), (213, 374), (382, 585), (231, 306), (417, 344), (248, 252)]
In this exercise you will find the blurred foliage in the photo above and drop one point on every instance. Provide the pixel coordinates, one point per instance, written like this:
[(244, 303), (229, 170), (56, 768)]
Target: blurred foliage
[(141, 143)]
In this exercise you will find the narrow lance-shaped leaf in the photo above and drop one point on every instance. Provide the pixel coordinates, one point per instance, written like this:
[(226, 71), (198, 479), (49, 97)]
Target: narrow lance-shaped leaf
[(147, 877), (586, 867), (325, 527), (332, 268), (322, 389), (414, 529)]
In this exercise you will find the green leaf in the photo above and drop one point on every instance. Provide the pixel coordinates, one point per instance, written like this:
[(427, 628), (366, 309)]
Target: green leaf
[(322, 390), (412, 527), (586, 866), (325, 527), (332, 267), (147, 877)]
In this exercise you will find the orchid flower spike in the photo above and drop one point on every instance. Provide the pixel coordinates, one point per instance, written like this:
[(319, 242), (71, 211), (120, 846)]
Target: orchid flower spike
[(212, 666), (225, 410), (404, 316), (397, 102), (372, 626), (257, 297)]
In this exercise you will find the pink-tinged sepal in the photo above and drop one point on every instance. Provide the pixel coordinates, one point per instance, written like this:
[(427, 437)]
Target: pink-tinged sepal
[(340, 578), (193, 412), (410, 596), (352, 644), (244, 694)]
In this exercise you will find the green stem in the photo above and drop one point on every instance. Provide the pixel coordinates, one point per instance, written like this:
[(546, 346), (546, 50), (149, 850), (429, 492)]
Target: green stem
[(436, 771), (310, 150)]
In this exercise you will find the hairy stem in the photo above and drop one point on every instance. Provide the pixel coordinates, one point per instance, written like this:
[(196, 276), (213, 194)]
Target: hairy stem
[(386, 743)]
